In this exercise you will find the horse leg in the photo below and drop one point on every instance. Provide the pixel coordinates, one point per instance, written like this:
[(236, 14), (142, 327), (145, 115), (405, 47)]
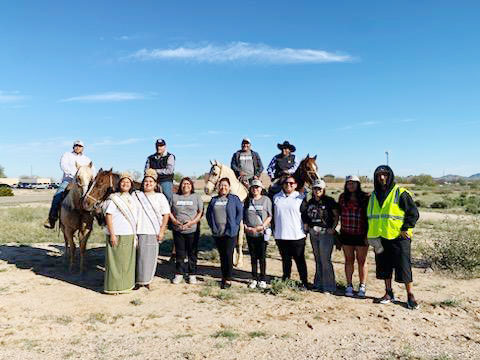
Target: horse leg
[(69, 233), (238, 254), (84, 234)]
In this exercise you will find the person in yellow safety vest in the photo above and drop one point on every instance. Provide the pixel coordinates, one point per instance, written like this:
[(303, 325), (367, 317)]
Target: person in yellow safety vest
[(392, 214)]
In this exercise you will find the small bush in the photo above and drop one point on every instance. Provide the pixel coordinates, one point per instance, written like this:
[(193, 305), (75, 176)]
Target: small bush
[(278, 286), (5, 191), (472, 209), (455, 249), (227, 333), (439, 205)]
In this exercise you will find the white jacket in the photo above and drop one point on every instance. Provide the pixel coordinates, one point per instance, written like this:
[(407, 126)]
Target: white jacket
[(68, 164), (287, 217)]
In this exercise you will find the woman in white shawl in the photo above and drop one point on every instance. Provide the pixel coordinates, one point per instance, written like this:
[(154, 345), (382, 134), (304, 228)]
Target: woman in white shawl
[(121, 216), (154, 212)]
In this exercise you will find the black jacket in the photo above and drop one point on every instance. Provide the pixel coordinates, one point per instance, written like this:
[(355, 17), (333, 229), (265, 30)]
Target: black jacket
[(405, 203)]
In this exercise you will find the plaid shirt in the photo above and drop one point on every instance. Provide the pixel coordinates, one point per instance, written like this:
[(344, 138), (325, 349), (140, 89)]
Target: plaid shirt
[(353, 217)]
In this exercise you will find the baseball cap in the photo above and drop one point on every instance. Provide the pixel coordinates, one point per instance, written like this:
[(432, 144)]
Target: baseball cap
[(160, 142), (256, 183), (246, 140), (352, 178), (78, 143), (319, 184)]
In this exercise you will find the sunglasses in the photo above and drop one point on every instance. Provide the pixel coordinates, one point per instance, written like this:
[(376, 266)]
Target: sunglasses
[(289, 183)]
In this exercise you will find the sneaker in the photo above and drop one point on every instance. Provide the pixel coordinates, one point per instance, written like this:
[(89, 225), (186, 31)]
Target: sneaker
[(253, 284), (49, 224), (225, 284), (177, 279), (412, 303), (388, 298), (362, 289), (192, 279), (349, 291), (262, 284)]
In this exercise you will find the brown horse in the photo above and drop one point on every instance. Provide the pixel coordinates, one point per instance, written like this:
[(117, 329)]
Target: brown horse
[(306, 174), (74, 220), (105, 183)]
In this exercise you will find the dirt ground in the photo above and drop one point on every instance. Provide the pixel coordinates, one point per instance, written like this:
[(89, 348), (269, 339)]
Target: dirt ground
[(48, 313)]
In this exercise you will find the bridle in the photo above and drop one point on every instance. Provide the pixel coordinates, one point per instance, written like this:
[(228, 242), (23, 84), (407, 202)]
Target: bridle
[(97, 201)]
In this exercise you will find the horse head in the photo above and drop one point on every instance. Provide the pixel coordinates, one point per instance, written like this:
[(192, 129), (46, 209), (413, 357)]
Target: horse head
[(213, 177), (84, 176), (102, 186), (308, 169)]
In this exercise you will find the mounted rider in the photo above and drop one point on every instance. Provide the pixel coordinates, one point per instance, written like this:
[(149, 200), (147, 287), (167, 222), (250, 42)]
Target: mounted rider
[(69, 164), (246, 163), (282, 164), (163, 163)]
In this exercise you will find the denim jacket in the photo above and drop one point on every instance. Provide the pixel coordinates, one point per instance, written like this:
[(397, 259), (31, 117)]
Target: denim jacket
[(234, 215)]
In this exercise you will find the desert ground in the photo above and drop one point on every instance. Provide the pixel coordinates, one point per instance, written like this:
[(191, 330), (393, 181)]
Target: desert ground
[(46, 312)]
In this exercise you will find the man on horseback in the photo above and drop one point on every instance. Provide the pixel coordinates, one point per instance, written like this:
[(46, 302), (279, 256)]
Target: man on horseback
[(69, 164), (282, 164), (246, 163), (164, 164)]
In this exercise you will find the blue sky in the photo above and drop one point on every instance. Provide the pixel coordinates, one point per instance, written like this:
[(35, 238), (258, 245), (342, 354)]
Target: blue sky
[(345, 80)]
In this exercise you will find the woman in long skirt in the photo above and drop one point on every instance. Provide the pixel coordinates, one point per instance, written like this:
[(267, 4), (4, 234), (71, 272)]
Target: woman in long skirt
[(154, 211), (121, 219)]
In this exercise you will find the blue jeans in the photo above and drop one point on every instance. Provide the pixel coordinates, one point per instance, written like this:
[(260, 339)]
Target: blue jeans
[(57, 199), (322, 244), (167, 188)]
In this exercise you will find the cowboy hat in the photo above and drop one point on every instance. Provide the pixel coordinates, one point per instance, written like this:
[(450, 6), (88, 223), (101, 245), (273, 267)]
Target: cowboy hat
[(287, 145)]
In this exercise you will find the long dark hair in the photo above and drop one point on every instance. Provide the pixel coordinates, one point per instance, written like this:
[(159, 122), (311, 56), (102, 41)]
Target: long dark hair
[(186, 178), (359, 194)]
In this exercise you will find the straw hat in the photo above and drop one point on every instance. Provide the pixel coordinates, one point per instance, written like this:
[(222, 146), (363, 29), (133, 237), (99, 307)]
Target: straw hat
[(150, 173), (126, 175)]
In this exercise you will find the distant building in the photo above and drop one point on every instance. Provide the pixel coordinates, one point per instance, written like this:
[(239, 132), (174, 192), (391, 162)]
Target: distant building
[(9, 181), (38, 180)]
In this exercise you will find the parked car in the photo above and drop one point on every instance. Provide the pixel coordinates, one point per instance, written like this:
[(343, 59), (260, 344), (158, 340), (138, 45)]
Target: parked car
[(5, 186), (40, 186)]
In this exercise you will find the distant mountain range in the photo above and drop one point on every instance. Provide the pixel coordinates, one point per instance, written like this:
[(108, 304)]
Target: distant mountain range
[(450, 177)]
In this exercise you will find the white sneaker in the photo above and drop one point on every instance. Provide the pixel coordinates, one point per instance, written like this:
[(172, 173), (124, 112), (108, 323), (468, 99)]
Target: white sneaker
[(177, 279), (253, 284), (192, 279), (262, 285), (349, 291), (362, 289)]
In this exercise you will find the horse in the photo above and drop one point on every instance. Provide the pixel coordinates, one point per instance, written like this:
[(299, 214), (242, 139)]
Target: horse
[(305, 174), (74, 219), (217, 172)]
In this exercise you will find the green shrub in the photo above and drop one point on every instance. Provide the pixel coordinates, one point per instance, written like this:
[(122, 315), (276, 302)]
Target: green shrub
[(472, 209), (439, 205), (6, 191), (278, 286), (455, 249)]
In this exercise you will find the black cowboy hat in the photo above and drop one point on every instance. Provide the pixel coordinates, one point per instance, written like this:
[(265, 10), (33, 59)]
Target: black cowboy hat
[(287, 145)]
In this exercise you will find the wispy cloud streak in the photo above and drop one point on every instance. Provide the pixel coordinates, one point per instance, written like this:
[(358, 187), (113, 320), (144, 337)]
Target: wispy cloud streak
[(241, 52), (358, 125), (106, 97), (8, 97)]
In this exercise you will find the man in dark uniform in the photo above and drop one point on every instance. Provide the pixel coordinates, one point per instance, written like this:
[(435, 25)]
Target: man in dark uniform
[(164, 164), (282, 164)]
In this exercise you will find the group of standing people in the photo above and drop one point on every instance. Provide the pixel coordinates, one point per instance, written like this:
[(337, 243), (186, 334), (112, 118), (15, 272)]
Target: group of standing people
[(137, 221)]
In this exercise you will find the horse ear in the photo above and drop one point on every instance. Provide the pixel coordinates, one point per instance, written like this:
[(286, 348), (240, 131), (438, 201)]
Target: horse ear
[(315, 157), (211, 162), (90, 165), (110, 170), (308, 155)]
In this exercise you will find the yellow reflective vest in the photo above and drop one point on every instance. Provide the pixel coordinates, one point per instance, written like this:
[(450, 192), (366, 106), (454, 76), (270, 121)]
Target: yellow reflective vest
[(386, 221)]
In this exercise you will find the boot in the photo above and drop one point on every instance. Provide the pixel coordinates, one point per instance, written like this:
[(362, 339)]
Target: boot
[(49, 223)]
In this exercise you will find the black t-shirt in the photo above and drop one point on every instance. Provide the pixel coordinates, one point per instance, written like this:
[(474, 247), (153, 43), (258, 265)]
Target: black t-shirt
[(319, 213)]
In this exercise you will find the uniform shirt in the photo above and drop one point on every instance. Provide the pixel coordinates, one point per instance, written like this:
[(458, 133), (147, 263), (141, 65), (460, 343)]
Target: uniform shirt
[(319, 213), (220, 214), (287, 216), (121, 226), (160, 206), (185, 208), (246, 163), (255, 208), (68, 165)]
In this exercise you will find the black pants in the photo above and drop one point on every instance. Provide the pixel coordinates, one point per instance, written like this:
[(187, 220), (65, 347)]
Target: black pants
[(257, 247), (293, 249), (225, 246), (395, 256), (186, 247)]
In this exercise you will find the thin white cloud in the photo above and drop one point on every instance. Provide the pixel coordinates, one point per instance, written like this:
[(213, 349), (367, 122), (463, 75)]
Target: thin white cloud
[(358, 125), (117, 142), (264, 136), (8, 97), (106, 97), (241, 52)]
